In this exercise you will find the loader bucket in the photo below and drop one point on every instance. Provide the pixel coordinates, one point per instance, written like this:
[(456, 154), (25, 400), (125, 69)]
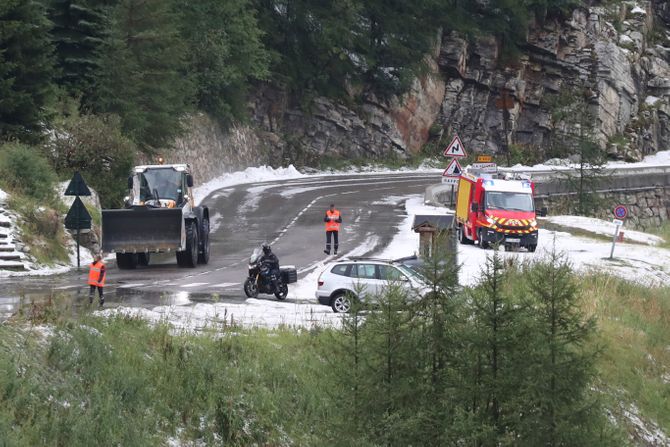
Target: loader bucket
[(142, 229)]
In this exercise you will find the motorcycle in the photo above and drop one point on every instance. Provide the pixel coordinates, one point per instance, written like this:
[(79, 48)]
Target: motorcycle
[(262, 280)]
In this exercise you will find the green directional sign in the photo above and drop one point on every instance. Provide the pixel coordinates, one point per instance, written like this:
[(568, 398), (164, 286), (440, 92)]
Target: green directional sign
[(77, 186), (78, 217)]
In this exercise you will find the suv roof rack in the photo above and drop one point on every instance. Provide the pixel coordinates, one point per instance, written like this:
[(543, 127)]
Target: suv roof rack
[(373, 258), (367, 258)]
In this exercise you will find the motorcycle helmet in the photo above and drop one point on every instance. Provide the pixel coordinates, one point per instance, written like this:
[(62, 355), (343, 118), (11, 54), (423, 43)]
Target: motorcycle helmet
[(266, 249)]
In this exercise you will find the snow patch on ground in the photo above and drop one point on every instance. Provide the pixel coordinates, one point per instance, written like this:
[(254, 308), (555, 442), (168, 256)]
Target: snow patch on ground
[(638, 10), (267, 313), (605, 228), (3, 196), (268, 174), (406, 241), (661, 158), (651, 100), (647, 431), (642, 264), (249, 175)]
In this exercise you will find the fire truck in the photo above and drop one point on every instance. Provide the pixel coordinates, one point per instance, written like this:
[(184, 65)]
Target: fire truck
[(496, 211)]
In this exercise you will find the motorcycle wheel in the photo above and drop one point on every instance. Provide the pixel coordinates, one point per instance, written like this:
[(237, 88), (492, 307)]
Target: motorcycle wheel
[(251, 288), (282, 292)]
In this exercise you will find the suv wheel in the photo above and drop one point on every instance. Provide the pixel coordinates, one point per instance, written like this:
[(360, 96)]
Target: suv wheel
[(341, 302)]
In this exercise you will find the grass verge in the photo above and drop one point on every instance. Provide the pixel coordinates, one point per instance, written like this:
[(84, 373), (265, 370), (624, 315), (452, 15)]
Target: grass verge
[(85, 380), (634, 332)]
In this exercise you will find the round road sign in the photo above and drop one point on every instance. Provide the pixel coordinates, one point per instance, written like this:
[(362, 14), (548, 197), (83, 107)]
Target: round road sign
[(621, 212)]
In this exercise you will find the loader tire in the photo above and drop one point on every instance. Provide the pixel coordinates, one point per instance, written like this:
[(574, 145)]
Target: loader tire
[(143, 259), (189, 257), (126, 261), (203, 256)]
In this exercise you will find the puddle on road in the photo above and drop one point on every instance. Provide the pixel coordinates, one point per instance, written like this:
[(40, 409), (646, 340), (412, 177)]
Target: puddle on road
[(29, 301)]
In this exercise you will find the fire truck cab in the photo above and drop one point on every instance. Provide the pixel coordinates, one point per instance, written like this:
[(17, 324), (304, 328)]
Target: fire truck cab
[(496, 211)]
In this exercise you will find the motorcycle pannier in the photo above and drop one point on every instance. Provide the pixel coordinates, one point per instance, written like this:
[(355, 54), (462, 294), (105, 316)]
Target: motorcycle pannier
[(289, 274)]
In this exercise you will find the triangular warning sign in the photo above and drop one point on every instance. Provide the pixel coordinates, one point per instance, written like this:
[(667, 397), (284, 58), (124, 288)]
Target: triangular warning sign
[(77, 186), (78, 217), (453, 170), (455, 149)]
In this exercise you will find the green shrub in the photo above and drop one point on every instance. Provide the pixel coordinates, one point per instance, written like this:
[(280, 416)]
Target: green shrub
[(24, 171), (95, 146)]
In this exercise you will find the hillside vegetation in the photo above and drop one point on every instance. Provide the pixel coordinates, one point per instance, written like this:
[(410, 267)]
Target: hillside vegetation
[(90, 83)]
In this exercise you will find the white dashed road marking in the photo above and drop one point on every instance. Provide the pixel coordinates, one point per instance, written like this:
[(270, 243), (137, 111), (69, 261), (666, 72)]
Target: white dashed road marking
[(128, 286), (223, 285), (195, 284)]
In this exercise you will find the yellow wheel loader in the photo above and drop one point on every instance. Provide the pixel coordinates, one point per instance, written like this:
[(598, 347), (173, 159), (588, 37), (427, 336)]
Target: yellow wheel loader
[(160, 216)]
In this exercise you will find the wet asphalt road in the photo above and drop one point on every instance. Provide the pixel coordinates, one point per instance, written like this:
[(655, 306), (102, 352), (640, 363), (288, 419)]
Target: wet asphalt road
[(288, 214)]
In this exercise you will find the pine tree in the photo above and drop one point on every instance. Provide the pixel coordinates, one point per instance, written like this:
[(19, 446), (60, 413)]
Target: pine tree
[(225, 53), (492, 373), (26, 68), (560, 409), (78, 32), (440, 317), (142, 74)]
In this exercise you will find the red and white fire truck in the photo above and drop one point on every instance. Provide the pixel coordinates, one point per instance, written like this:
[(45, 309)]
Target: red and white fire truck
[(492, 210)]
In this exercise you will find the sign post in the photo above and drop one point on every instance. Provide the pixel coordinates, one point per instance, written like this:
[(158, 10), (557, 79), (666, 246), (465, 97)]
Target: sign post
[(617, 225), (620, 212), (78, 217), (450, 176)]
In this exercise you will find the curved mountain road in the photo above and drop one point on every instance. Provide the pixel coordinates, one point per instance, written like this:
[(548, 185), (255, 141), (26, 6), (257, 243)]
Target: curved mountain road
[(288, 214)]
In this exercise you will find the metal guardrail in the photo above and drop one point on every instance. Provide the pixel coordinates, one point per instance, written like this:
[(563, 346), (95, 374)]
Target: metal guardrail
[(553, 182)]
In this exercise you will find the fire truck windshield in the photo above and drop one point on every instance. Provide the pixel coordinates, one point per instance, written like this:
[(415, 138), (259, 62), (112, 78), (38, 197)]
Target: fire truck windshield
[(513, 201)]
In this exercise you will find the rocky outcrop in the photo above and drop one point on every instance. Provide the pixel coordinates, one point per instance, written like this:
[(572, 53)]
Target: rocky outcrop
[(211, 150), (371, 129), (617, 57), (614, 55)]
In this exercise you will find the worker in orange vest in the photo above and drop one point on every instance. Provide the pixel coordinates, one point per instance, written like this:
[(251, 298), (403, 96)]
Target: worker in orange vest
[(96, 279), (333, 220)]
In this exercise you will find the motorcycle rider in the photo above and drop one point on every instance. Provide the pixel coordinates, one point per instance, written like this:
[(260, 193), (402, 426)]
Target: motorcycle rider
[(272, 262)]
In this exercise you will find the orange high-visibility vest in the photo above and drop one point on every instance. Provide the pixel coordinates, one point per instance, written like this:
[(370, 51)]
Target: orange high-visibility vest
[(333, 225), (94, 274)]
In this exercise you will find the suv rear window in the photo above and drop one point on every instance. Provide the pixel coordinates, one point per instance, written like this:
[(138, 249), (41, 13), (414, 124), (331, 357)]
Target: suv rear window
[(342, 270)]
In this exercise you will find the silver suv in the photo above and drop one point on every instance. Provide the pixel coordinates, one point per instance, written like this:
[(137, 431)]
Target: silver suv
[(345, 280)]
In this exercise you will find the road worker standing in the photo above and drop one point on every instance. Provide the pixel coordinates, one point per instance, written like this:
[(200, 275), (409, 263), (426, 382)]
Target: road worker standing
[(96, 279), (333, 220)]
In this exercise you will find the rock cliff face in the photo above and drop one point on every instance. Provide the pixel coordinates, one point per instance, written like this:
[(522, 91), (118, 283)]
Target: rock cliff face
[(617, 57)]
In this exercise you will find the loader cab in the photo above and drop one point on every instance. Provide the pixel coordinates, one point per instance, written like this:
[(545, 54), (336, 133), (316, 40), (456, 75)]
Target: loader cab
[(160, 186)]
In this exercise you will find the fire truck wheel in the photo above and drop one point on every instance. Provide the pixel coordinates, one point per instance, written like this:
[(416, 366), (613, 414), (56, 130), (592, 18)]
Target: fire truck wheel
[(531, 248), (482, 243), (462, 237)]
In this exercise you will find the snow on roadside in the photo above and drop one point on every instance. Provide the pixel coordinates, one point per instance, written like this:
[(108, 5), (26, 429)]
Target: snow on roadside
[(406, 241), (642, 264), (661, 158), (267, 313), (249, 175), (3, 196), (604, 227), (267, 174)]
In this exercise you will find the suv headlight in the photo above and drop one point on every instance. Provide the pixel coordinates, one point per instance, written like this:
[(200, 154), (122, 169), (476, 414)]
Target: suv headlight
[(490, 221), (533, 223)]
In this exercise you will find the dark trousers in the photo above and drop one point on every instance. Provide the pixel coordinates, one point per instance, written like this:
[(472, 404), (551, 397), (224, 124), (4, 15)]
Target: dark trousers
[(91, 292), (333, 235)]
